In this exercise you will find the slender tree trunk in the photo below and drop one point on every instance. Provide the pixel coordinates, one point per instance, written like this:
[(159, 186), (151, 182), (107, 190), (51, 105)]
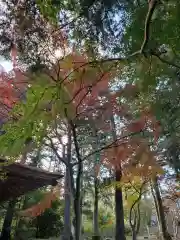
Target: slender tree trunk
[(77, 208), (119, 210), (156, 207), (96, 210), (6, 229), (134, 235), (160, 210), (77, 196), (133, 222), (67, 235), (120, 229), (96, 235), (148, 232), (138, 219), (67, 211)]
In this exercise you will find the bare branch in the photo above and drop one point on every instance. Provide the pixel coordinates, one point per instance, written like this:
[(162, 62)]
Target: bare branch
[(152, 6), (55, 151)]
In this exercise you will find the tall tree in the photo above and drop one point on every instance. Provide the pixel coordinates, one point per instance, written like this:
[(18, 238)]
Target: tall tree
[(160, 211)]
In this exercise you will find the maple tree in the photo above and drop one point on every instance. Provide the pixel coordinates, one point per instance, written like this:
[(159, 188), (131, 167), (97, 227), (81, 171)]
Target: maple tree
[(71, 115), (76, 90), (36, 208), (69, 91)]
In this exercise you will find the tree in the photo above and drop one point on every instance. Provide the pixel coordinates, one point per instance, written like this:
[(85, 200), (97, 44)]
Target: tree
[(80, 107), (66, 95), (160, 210)]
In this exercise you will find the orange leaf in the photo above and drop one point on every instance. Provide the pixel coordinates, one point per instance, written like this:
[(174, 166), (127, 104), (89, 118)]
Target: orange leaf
[(137, 126), (39, 208)]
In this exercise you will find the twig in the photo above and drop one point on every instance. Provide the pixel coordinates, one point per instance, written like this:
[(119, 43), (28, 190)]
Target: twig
[(152, 6)]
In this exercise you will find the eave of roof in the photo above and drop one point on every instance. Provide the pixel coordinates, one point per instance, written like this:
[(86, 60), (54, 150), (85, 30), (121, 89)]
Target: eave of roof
[(21, 179)]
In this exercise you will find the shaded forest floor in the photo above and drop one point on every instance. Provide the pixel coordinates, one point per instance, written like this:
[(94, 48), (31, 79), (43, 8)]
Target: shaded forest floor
[(127, 238)]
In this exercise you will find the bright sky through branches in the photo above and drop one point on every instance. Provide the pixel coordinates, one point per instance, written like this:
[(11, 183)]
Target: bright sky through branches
[(7, 65)]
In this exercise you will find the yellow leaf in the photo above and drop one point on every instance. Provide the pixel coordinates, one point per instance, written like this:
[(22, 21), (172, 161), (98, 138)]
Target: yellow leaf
[(144, 157), (66, 63)]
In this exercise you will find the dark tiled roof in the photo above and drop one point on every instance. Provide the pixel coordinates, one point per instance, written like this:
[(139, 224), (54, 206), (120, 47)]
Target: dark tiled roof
[(21, 179)]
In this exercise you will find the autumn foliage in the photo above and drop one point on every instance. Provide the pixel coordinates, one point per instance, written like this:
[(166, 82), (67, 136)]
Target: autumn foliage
[(82, 86), (87, 88), (41, 206), (11, 90)]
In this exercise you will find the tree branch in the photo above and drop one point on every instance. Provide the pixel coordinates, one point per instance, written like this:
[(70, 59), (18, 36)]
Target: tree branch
[(112, 144), (170, 63), (56, 152), (133, 205), (151, 8)]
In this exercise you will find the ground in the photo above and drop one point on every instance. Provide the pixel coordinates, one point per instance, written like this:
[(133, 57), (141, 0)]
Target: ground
[(128, 238)]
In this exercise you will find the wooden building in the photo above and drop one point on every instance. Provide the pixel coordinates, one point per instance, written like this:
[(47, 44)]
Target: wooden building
[(17, 179)]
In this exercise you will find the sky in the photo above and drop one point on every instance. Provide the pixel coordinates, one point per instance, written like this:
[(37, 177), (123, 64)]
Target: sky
[(7, 65)]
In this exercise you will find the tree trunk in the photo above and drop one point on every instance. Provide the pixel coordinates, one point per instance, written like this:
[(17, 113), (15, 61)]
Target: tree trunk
[(119, 210), (96, 191), (96, 215), (77, 195), (77, 217), (148, 232), (156, 207), (134, 235), (67, 235), (160, 210), (138, 223), (133, 223), (67, 211), (6, 229), (120, 230), (77, 203)]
